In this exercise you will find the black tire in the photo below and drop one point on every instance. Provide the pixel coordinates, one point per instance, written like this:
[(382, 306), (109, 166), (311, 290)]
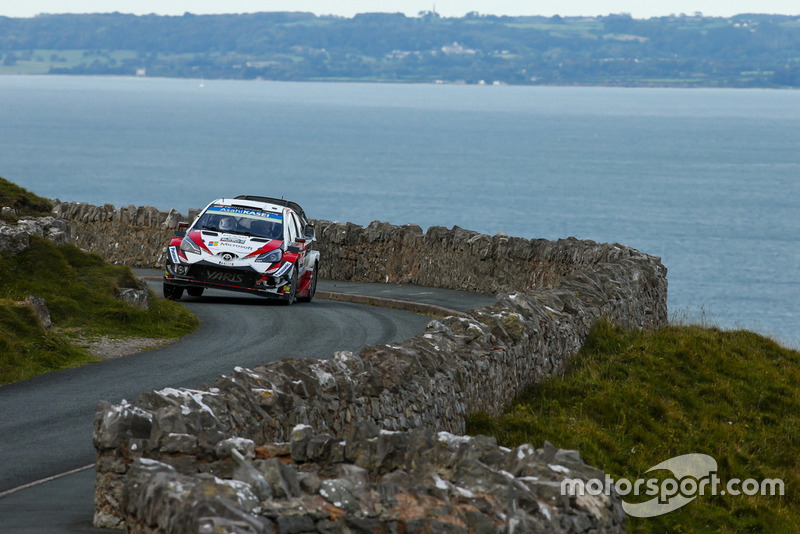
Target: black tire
[(172, 292), (293, 291), (195, 291), (313, 289)]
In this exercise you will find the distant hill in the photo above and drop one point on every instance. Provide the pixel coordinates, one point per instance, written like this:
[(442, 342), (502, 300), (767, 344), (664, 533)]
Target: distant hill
[(742, 51)]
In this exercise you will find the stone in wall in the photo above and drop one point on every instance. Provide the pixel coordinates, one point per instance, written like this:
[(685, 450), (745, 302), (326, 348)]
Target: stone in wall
[(372, 481), (15, 238)]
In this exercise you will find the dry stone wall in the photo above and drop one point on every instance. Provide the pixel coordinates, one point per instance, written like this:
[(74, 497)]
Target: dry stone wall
[(469, 261), (380, 252), (551, 293), (130, 235), (373, 482), (458, 366), (16, 238)]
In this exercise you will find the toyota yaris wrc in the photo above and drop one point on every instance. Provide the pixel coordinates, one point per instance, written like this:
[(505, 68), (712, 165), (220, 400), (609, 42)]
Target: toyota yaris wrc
[(253, 244)]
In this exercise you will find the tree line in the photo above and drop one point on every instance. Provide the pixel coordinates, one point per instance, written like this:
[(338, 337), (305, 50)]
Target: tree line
[(747, 50)]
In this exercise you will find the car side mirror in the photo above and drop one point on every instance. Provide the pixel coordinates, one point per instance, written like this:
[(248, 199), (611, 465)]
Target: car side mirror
[(308, 232), (182, 227)]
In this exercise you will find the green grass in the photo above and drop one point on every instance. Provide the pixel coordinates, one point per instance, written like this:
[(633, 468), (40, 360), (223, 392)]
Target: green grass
[(26, 350), (40, 61), (632, 399), (571, 27), (79, 290), (22, 201)]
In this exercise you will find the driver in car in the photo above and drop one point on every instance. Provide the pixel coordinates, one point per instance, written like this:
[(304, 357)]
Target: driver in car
[(227, 224), (268, 229)]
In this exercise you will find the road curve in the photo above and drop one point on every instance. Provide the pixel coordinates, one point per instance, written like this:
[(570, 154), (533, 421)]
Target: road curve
[(46, 422)]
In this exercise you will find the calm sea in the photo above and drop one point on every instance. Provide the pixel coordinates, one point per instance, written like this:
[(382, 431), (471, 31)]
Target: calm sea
[(707, 179)]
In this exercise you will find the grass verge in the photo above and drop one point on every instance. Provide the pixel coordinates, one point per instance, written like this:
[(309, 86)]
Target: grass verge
[(631, 399), (79, 290), (22, 201)]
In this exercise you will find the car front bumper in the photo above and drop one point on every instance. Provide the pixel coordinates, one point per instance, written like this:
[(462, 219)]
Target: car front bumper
[(243, 279)]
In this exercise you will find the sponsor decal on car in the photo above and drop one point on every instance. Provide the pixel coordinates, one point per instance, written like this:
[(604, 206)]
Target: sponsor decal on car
[(243, 211), (236, 245), (232, 239)]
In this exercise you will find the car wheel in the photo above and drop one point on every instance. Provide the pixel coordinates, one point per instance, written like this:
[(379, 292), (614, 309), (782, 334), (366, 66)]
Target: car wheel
[(293, 291), (172, 292), (312, 288), (195, 291)]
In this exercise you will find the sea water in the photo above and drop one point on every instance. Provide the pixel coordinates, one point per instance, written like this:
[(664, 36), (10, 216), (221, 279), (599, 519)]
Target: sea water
[(706, 179)]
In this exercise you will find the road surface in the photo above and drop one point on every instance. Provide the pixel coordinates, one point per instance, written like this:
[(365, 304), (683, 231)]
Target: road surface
[(46, 422)]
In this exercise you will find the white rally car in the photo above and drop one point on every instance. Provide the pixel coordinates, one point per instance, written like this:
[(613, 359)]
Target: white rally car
[(253, 244)]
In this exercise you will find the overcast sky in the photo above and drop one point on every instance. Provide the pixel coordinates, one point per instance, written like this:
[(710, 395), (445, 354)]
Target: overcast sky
[(448, 8)]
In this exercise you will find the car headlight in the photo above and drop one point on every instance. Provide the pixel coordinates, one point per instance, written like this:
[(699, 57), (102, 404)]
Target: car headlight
[(272, 256), (187, 245)]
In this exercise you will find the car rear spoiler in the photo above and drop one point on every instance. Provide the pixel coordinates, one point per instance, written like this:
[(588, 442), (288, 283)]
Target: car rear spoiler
[(279, 202)]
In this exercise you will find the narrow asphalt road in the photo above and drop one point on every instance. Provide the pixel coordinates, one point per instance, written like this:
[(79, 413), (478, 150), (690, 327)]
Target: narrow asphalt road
[(46, 422)]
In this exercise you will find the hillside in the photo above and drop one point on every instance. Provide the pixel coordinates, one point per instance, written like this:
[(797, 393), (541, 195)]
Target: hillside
[(633, 399), (79, 291), (741, 51)]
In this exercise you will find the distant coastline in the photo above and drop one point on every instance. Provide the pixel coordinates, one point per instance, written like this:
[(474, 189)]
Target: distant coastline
[(748, 50)]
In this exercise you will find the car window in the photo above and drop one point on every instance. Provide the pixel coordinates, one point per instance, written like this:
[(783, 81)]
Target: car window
[(215, 222), (296, 224), (291, 226), (241, 221), (271, 229)]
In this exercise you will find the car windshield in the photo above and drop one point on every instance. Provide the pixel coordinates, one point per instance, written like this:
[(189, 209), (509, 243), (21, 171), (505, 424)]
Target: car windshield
[(241, 221)]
